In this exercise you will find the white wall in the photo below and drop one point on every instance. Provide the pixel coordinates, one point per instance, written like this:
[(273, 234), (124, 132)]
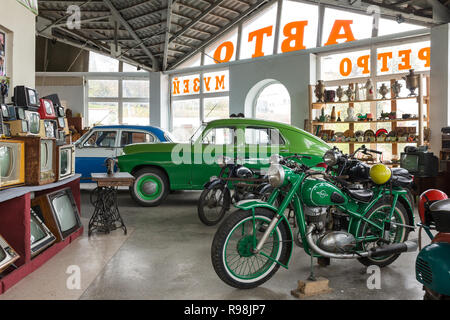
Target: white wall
[(73, 95), (159, 105), (439, 87), (19, 24), (295, 72)]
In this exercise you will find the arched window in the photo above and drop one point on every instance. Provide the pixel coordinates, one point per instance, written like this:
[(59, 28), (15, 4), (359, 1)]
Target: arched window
[(273, 103)]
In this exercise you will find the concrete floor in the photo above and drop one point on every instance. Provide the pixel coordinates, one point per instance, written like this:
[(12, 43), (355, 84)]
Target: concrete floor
[(166, 255)]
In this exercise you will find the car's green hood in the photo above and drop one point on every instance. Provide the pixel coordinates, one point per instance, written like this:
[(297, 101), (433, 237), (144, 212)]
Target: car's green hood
[(152, 147)]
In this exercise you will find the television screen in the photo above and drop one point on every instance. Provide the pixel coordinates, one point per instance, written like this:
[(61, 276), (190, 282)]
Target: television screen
[(49, 128), (40, 236), (34, 121), (60, 111), (410, 162), (7, 255), (66, 161), (20, 113), (11, 163), (26, 97), (61, 122), (5, 111), (2, 255), (33, 96), (64, 210), (46, 155), (25, 127)]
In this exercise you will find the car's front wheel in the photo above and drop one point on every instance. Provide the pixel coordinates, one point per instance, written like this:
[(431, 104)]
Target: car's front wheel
[(150, 188)]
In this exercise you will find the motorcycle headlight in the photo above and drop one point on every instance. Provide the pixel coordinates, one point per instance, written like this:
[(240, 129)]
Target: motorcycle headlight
[(222, 161), (330, 157), (274, 159), (275, 175)]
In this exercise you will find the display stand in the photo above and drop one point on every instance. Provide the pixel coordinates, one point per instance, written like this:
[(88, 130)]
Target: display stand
[(106, 216), (15, 227)]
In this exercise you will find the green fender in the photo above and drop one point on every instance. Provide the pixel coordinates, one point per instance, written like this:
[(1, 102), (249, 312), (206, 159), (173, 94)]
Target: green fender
[(433, 267), (248, 205)]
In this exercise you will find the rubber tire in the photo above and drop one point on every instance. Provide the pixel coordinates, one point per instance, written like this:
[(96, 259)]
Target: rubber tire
[(367, 261), (161, 175), (222, 234), (226, 205)]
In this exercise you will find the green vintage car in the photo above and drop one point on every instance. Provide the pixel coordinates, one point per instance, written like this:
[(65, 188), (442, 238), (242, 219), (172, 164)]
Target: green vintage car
[(162, 167)]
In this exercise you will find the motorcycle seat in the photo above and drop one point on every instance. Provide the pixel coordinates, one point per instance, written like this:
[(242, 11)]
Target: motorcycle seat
[(441, 206), (400, 172), (360, 194)]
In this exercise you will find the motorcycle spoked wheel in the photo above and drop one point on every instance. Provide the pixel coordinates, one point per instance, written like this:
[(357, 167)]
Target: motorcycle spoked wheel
[(213, 204), (397, 234), (231, 250)]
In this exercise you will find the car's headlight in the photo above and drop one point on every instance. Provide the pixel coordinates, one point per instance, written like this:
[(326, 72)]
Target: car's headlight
[(222, 161), (330, 157), (276, 175)]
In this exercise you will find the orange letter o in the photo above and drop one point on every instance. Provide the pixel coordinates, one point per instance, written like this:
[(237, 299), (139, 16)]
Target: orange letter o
[(229, 50), (345, 68)]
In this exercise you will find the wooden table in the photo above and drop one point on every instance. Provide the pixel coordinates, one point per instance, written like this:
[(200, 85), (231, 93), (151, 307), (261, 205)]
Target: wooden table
[(106, 217)]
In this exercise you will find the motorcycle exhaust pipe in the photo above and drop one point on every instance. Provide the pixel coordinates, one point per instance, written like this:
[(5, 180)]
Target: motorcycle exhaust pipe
[(407, 246)]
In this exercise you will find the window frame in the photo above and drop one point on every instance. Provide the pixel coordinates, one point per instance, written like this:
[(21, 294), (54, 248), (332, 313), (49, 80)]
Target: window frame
[(96, 131)]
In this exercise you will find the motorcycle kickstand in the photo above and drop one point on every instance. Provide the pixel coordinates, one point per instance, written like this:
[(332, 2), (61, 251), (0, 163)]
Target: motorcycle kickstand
[(312, 277)]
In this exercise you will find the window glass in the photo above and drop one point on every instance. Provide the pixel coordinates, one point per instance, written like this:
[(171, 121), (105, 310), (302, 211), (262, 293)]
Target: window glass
[(186, 118), (219, 136), (387, 26), (223, 50), (399, 59), (186, 85), (102, 63), (105, 139), (195, 61), (274, 103), (361, 26), (253, 29), (136, 88), (103, 88), (293, 12), (216, 108), (345, 65), (103, 113), (130, 68), (136, 113), (129, 137), (216, 81), (263, 136)]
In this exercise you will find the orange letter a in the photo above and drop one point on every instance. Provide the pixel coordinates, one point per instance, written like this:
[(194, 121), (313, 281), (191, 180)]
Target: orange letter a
[(336, 29)]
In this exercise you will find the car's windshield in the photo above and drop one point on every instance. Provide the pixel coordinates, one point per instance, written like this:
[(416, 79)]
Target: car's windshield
[(198, 132)]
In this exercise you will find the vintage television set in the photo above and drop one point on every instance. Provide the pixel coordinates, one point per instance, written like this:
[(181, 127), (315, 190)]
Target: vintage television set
[(6, 113), (34, 121), (40, 160), (19, 128), (54, 98), (40, 236), (7, 255), (47, 110), (12, 163), (16, 113), (5, 132), (66, 161), (59, 212), (420, 164), (26, 97), (49, 129)]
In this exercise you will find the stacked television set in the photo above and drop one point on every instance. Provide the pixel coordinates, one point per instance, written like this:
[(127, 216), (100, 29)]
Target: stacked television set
[(7, 255)]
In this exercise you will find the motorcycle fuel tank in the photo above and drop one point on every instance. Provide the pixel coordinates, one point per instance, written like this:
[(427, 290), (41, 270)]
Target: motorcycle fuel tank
[(320, 193)]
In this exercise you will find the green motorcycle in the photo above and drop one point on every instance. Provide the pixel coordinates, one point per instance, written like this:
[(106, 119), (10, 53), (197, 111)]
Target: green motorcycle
[(335, 219)]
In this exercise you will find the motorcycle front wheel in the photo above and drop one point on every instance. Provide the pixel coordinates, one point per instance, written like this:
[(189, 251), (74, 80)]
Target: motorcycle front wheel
[(213, 204), (232, 249)]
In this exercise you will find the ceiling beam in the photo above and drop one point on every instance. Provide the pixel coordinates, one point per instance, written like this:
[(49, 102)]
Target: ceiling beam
[(118, 16), (256, 7), (166, 38), (213, 6)]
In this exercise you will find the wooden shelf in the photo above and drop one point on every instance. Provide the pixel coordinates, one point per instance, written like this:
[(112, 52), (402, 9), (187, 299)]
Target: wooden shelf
[(373, 121), (366, 101)]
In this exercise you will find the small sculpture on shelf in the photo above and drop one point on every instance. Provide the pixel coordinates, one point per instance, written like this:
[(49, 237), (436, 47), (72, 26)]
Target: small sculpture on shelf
[(333, 114), (384, 90), (350, 114), (339, 117), (349, 93), (357, 92), (320, 91), (339, 93), (396, 87), (330, 95), (322, 115), (412, 82), (370, 93)]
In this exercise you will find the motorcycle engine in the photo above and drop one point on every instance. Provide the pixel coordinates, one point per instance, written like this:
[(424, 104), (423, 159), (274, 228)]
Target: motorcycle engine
[(337, 242), (317, 215)]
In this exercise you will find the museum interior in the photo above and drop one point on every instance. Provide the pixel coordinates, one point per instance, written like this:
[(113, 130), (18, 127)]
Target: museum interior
[(224, 150)]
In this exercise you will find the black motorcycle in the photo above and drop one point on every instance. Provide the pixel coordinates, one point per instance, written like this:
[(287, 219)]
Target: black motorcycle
[(217, 196)]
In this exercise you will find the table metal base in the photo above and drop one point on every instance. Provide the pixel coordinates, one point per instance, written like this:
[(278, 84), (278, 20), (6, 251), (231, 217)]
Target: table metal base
[(106, 217)]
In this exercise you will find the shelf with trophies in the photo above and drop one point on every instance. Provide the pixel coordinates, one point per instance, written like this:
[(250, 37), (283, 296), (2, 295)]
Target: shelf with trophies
[(391, 114)]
